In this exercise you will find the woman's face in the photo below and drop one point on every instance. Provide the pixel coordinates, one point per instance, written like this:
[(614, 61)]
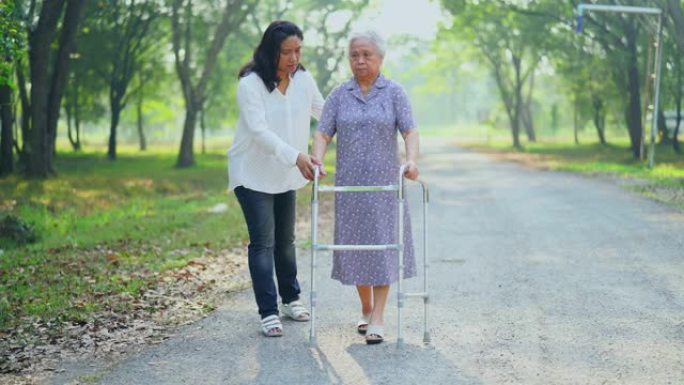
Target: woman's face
[(364, 59), (288, 60)]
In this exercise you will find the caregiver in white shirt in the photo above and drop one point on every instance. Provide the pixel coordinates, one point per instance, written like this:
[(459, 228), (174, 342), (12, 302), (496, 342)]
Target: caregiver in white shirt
[(268, 161)]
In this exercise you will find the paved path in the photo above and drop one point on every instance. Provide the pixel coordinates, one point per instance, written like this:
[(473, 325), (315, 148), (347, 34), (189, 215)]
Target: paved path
[(537, 278)]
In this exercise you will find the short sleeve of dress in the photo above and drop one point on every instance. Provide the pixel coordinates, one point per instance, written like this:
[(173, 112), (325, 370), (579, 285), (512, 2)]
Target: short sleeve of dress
[(327, 124), (402, 109)]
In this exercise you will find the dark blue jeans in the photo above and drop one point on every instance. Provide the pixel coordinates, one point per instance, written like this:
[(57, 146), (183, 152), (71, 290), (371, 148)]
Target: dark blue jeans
[(270, 222)]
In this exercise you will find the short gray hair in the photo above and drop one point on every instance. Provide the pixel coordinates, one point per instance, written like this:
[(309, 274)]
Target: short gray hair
[(371, 36)]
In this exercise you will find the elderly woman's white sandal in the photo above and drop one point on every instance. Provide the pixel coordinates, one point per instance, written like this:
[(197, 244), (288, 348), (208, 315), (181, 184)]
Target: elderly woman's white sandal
[(362, 325), (271, 326), (296, 311), (375, 334)]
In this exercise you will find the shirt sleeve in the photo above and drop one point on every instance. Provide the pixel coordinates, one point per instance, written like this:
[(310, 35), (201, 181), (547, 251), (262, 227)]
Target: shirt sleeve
[(317, 100), (402, 109), (327, 124), (253, 111)]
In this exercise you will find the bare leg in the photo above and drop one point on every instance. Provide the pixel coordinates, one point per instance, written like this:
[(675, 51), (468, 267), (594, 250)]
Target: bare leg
[(377, 320), (379, 300), (366, 297)]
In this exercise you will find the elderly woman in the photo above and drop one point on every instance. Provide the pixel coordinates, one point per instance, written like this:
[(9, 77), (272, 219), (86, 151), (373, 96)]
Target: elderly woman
[(366, 112)]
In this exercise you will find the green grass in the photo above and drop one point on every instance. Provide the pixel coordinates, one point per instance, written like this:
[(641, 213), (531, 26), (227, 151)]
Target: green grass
[(104, 227), (614, 159)]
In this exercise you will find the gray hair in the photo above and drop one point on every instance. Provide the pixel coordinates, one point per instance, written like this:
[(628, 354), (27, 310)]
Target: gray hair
[(371, 36)]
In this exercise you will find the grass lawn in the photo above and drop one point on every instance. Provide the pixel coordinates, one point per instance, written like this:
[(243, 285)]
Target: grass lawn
[(664, 182), (107, 227)]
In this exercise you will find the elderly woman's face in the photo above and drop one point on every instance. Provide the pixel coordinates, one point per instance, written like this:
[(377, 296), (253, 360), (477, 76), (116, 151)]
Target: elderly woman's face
[(365, 60)]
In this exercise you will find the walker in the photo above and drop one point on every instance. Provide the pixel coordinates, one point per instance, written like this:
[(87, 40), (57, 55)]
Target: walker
[(316, 247)]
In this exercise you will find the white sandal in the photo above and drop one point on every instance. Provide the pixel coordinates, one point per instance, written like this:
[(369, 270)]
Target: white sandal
[(296, 311), (375, 334), (271, 326), (362, 325)]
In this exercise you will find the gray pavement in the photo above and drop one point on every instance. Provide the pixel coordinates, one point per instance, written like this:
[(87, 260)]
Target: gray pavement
[(536, 278)]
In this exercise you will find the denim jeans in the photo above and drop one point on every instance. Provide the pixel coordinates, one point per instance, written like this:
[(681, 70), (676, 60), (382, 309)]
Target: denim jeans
[(270, 222)]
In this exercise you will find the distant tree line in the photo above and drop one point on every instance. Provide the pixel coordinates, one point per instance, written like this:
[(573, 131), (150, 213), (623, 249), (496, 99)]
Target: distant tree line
[(77, 60), (603, 69)]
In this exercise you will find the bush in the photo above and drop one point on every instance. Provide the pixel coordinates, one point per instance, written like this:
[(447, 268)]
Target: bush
[(15, 229)]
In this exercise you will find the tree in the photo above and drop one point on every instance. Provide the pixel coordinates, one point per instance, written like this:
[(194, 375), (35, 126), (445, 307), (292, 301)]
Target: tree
[(11, 42), (117, 36), (193, 74), (329, 51), (510, 44), (48, 69), (619, 35)]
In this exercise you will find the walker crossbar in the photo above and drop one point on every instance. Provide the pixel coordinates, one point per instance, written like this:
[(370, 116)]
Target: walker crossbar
[(315, 247), (357, 247), (392, 187)]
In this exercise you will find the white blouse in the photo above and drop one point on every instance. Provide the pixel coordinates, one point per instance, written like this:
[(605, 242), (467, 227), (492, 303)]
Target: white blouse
[(271, 132)]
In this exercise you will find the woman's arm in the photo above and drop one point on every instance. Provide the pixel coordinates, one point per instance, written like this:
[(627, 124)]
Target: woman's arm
[(412, 143), (317, 101), (320, 145)]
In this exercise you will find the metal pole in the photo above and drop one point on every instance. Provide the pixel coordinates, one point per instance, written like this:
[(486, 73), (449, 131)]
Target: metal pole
[(618, 9), (314, 242), (400, 254), (656, 96), (426, 265)]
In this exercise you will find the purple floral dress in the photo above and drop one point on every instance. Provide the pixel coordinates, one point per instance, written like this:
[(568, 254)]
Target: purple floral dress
[(367, 155)]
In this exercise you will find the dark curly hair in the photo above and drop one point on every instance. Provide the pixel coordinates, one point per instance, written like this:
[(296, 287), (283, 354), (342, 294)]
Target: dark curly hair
[(267, 53)]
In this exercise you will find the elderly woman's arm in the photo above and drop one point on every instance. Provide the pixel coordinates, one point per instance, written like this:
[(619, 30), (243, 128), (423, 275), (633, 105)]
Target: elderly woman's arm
[(320, 144), (412, 143)]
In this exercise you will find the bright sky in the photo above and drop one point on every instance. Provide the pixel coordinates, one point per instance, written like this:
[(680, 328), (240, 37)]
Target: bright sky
[(393, 17)]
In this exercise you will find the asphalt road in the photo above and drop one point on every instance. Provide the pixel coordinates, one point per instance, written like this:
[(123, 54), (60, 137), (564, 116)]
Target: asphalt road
[(536, 278)]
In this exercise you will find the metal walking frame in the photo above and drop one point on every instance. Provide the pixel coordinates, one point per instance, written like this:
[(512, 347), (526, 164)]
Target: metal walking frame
[(401, 296)]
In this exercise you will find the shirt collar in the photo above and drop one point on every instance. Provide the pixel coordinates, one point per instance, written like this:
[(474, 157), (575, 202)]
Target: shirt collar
[(353, 86), (380, 82)]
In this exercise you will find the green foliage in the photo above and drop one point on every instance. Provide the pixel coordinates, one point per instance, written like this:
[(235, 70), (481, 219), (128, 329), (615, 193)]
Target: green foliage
[(101, 222), (12, 41), (14, 229)]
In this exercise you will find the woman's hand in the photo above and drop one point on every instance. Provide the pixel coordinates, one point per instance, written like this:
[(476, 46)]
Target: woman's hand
[(306, 164), (411, 170)]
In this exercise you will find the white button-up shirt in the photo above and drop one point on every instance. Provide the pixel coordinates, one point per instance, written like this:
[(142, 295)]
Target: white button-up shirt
[(272, 130)]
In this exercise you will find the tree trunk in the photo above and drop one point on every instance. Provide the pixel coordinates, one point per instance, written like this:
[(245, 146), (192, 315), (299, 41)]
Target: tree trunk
[(186, 156), (39, 162), (663, 134), (575, 119), (675, 132), (599, 119), (528, 123), (517, 103), (203, 129), (139, 111), (113, 124), (60, 72), (674, 10), (77, 125), (47, 85), (527, 117), (633, 109), (6, 131), (117, 90)]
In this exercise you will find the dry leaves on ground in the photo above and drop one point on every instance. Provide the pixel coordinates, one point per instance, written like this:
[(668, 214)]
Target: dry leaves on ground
[(34, 350)]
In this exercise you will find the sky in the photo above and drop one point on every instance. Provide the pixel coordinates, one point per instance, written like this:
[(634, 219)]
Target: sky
[(392, 17)]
